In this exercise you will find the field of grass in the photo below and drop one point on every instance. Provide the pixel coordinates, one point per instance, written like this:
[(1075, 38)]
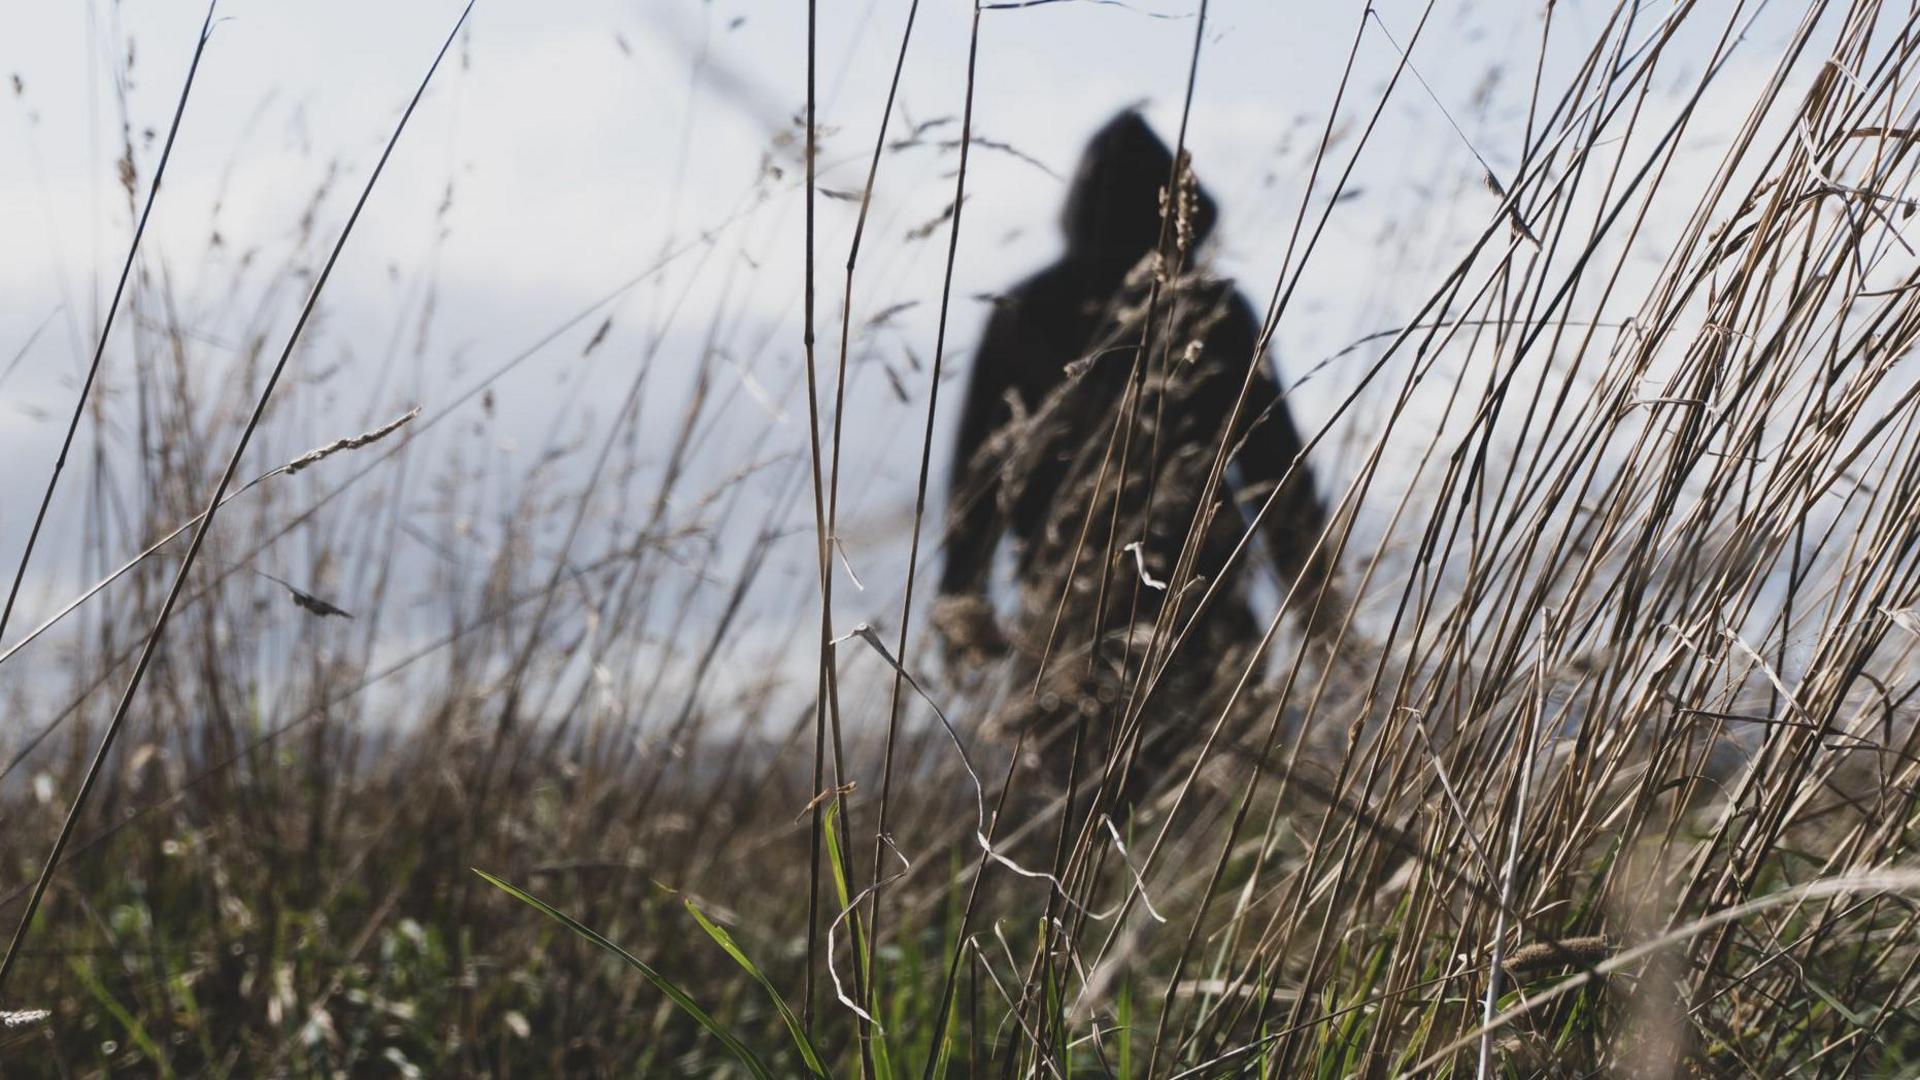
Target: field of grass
[(1606, 765)]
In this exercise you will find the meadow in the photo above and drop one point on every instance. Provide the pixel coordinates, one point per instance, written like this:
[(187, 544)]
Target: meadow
[(572, 710)]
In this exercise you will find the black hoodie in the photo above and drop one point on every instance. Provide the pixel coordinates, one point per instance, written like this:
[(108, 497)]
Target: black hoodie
[(1067, 313)]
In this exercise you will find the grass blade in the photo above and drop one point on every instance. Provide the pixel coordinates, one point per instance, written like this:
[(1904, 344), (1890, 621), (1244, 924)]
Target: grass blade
[(666, 986), (725, 941)]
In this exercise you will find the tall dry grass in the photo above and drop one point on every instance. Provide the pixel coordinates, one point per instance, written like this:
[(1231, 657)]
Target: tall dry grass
[(1606, 764)]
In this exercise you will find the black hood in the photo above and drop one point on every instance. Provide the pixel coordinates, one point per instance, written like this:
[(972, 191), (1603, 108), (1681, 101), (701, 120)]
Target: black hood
[(1113, 207)]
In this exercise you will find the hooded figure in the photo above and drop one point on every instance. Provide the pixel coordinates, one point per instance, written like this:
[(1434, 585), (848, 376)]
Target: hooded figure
[(1089, 436)]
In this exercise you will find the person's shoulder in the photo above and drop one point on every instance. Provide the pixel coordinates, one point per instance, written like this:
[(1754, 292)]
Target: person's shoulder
[(1040, 292), (1061, 275), (1204, 291), (1206, 282)]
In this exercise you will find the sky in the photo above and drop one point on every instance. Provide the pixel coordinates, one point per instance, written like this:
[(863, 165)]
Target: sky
[(571, 146)]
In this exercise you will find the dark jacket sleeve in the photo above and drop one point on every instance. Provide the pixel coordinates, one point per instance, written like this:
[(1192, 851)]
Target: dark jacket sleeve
[(974, 521), (1269, 445)]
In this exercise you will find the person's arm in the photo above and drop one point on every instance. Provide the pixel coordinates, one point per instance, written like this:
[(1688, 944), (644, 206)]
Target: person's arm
[(962, 614), (974, 522), (1269, 459)]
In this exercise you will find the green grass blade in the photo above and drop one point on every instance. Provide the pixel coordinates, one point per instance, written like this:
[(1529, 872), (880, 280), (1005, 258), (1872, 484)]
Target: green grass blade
[(665, 985), (725, 941), (882, 1061)]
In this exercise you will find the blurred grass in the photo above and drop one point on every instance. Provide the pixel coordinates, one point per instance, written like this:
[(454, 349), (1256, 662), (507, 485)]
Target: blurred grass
[(1611, 768)]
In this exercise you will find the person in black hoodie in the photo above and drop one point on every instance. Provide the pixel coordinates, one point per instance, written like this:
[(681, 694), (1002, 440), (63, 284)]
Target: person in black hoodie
[(1096, 409)]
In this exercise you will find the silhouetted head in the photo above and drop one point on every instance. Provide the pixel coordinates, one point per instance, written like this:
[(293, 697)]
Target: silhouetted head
[(1113, 207)]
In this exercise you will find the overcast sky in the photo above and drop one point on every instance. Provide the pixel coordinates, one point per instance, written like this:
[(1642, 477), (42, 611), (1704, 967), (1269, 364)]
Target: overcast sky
[(571, 145)]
